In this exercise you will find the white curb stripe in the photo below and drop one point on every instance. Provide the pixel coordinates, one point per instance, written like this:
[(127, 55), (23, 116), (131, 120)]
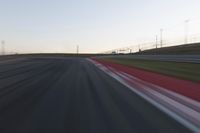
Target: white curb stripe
[(187, 116)]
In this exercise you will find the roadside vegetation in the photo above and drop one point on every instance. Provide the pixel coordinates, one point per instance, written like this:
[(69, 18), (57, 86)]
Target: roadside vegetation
[(187, 71)]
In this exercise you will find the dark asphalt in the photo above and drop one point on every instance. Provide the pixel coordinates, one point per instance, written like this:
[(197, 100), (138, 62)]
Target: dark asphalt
[(71, 95)]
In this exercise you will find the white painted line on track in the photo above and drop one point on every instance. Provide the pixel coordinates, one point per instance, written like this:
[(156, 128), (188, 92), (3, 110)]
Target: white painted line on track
[(189, 102)]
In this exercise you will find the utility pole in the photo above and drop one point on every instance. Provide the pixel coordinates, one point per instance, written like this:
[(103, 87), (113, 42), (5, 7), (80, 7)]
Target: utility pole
[(186, 30), (77, 49), (3, 47), (161, 38), (156, 41)]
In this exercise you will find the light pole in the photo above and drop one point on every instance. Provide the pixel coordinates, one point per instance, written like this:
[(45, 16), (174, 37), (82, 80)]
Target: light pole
[(186, 30), (161, 38), (3, 47), (156, 41), (77, 49)]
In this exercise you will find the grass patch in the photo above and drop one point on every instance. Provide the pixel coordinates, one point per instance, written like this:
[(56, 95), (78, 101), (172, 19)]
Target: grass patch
[(188, 71)]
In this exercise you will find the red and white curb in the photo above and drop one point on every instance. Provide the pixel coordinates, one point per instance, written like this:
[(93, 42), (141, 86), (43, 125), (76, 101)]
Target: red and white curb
[(181, 108)]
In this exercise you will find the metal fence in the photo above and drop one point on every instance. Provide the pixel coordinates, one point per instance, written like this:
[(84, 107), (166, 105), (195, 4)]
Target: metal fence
[(187, 32)]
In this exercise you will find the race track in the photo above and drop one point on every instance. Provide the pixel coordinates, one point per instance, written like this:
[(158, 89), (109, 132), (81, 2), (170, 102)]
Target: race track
[(71, 95)]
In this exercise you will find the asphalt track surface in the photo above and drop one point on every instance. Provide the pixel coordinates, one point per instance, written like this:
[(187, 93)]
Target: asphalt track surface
[(71, 95), (175, 58)]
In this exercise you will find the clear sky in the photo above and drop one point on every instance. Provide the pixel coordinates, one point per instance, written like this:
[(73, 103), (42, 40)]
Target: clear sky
[(94, 25)]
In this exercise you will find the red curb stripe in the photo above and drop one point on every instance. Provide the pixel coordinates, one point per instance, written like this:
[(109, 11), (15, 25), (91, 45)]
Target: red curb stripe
[(187, 88)]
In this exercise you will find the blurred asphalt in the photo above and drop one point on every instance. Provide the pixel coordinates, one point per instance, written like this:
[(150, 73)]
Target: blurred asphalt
[(71, 95)]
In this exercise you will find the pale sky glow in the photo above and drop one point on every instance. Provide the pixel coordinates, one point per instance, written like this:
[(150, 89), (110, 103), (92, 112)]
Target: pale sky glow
[(95, 25)]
